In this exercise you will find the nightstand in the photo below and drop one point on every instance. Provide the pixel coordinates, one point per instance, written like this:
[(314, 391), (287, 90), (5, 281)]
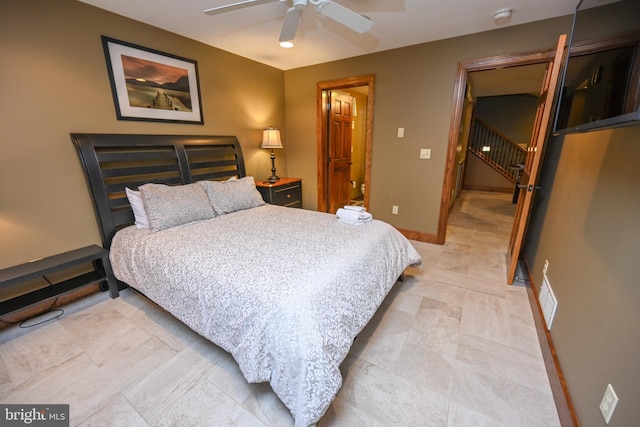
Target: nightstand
[(286, 192)]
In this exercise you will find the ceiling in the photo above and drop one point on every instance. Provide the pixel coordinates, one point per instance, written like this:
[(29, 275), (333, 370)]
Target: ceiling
[(253, 32), (507, 81)]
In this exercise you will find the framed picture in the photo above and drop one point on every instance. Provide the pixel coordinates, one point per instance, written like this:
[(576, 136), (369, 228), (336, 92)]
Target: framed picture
[(151, 85)]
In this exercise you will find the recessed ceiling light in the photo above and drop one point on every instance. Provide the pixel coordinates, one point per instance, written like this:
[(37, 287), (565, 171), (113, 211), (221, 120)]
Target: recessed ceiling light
[(286, 44)]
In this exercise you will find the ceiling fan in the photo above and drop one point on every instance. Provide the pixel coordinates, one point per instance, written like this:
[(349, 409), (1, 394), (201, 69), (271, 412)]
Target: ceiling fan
[(335, 11)]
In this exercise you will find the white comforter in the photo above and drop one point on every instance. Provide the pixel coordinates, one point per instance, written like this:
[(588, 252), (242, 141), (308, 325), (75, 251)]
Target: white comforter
[(284, 290)]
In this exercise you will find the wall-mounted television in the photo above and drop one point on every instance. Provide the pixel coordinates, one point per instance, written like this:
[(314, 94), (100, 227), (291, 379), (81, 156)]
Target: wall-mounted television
[(601, 80)]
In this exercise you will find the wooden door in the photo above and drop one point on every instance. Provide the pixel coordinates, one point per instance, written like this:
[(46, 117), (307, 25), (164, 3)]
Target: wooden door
[(339, 149), (529, 176)]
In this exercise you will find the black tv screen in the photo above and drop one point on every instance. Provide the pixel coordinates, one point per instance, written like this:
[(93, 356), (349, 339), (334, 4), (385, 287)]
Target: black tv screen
[(601, 81)]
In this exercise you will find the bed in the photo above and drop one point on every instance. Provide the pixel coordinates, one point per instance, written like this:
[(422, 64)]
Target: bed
[(285, 291)]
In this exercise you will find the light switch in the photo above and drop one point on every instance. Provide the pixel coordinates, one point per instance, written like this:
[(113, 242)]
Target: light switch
[(400, 132), (425, 153)]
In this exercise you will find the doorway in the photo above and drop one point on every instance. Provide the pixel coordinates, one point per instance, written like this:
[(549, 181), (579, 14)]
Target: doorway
[(344, 136), (460, 116)]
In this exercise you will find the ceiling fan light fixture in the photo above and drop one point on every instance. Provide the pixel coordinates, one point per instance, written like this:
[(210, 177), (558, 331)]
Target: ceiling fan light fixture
[(347, 17), (290, 26), (292, 18)]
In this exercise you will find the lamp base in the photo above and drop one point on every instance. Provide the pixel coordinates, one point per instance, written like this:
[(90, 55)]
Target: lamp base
[(273, 178)]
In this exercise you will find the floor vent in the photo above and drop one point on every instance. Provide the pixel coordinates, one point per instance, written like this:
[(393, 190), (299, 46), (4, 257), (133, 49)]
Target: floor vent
[(548, 302)]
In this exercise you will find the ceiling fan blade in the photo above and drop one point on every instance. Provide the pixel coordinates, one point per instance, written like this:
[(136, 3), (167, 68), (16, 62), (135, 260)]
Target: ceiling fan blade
[(347, 17), (237, 5), (290, 24)]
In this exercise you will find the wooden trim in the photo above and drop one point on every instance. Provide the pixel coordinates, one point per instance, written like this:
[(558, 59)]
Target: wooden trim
[(321, 134), (605, 43), (418, 235), (510, 60), (564, 405), (368, 140), (459, 92), (321, 147)]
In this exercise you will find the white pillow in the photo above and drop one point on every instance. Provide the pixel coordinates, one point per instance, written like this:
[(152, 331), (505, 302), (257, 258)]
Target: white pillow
[(168, 206), (135, 200), (232, 195)]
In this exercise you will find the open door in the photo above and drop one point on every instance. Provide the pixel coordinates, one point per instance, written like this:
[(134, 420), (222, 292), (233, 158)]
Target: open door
[(529, 177), (339, 149), (334, 133)]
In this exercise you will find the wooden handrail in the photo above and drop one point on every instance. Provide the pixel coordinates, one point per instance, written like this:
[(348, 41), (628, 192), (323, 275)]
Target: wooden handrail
[(502, 152)]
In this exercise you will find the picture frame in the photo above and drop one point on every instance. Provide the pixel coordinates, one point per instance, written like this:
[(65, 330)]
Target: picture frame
[(150, 85)]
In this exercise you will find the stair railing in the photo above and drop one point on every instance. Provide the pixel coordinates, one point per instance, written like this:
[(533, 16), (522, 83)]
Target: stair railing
[(495, 149)]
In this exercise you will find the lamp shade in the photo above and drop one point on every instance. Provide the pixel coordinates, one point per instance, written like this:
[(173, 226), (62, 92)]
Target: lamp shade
[(271, 138)]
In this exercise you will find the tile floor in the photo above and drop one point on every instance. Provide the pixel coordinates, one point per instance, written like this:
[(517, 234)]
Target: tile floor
[(452, 345)]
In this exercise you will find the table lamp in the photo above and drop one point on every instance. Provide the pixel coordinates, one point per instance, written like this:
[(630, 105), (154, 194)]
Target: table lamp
[(271, 139)]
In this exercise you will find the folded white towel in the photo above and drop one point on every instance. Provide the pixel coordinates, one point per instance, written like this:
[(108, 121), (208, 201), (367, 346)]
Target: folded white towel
[(353, 217), (355, 208)]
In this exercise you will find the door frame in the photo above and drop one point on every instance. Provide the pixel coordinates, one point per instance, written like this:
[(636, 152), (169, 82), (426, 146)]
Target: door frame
[(322, 143), (459, 92)]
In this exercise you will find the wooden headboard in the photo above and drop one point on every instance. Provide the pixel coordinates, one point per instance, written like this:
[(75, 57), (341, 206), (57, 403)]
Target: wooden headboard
[(112, 162)]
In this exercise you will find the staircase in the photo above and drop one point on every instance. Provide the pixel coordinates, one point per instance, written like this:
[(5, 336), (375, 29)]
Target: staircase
[(496, 150)]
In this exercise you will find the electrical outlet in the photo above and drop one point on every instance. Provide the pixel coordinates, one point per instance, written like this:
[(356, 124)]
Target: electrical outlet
[(400, 132), (425, 153), (546, 267), (608, 404), (394, 210)]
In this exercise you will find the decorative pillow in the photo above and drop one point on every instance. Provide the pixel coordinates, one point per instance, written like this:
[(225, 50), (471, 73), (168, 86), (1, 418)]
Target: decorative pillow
[(135, 200), (168, 206), (232, 195)]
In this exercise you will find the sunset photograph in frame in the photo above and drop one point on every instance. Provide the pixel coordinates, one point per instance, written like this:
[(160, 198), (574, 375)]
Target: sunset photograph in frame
[(151, 85)]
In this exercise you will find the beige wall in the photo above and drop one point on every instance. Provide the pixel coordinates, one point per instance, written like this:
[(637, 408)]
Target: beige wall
[(587, 225), (414, 90), (511, 115), (54, 81), (478, 175)]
